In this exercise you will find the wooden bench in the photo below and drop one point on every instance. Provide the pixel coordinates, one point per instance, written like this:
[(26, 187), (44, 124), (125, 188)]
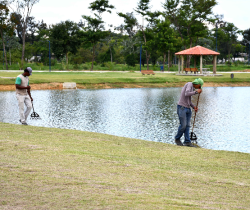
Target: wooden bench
[(148, 72), (191, 70)]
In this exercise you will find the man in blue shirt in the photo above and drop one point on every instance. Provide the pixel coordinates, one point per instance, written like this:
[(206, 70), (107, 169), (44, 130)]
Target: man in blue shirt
[(23, 94)]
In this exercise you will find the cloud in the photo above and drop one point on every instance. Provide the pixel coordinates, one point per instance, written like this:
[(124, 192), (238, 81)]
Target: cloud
[(55, 11)]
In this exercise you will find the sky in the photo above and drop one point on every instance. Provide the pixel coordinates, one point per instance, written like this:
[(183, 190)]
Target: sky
[(55, 11)]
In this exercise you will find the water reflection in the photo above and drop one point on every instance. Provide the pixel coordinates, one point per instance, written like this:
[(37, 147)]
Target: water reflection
[(150, 114)]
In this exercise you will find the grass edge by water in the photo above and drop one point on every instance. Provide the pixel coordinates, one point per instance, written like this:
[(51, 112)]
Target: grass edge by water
[(59, 168)]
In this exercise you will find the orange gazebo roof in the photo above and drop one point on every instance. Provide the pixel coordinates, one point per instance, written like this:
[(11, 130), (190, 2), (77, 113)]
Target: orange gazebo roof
[(198, 50)]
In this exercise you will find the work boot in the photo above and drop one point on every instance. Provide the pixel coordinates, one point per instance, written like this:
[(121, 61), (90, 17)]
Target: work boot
[(188, 144), (23, 123), (178, 142)]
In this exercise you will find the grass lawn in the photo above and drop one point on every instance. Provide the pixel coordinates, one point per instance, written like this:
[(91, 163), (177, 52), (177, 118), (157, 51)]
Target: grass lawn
[(47, 168), (118, 79)]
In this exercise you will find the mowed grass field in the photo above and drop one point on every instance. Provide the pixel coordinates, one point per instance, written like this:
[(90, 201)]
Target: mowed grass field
[(47, 168), (117, 79)]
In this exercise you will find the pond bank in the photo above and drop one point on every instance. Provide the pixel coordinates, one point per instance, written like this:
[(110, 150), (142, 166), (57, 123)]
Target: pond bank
[(51, 168), (59, 86)]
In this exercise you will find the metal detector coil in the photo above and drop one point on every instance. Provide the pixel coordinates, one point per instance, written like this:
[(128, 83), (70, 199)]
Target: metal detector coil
[(193, 137), (34, 115)]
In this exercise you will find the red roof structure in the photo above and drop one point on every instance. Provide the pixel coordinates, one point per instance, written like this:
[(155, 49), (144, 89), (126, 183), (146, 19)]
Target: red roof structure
[(198, 50)]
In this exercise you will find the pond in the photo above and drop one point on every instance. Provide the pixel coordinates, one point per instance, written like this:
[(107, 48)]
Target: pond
[(222, 122)]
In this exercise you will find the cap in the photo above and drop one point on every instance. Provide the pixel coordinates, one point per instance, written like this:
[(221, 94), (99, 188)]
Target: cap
[(30, 70), (198, 81)]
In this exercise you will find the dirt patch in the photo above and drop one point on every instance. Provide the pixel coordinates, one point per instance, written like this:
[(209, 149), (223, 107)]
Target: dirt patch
[(44, 86), (246, 70), (59, 86), (213, 84)]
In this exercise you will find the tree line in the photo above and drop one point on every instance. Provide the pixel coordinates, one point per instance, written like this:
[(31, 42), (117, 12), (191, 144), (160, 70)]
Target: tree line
[(179, 25)]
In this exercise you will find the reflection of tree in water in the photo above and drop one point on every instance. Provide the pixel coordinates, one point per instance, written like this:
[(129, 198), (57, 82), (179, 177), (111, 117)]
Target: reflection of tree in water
[(160, 112), (76, 108)]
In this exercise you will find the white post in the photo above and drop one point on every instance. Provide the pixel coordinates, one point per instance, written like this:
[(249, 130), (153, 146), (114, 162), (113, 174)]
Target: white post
[(201, 64), (179, 64), (214, 64), (182, 63)]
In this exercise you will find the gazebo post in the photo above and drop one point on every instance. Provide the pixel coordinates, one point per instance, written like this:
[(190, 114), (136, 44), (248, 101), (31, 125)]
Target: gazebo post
[(201, 64), (194, 61), (182, 63), (179, 64), (214, 64)]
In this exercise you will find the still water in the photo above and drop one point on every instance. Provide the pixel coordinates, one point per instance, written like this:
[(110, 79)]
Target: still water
[(222, 122)]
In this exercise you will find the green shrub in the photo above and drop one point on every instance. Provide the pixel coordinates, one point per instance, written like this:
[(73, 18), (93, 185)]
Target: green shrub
[(76, 67), (229, 63), (77, 60), (236, 63), (109, 65), (130, 60), (90, 63), (85, 67)]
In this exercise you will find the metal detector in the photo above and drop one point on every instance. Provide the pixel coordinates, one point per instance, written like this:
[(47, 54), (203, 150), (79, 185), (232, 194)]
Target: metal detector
[(34, 115), (193, 137)]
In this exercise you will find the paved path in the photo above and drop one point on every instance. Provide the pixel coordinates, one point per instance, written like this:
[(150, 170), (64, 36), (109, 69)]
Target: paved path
[(165, 72)]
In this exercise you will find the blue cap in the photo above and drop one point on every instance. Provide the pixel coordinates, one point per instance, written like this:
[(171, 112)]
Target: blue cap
[(30, 70)]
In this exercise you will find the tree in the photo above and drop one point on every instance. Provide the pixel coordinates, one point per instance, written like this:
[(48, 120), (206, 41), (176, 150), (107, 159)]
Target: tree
[(130, 40), (7, 25), (130, 23), (11, 43), (166, 38), (190, 18), (238, 49), (227, 39), (130, 59), (111, 41), (246, 36), (232, 33), (31, 30), (147, 34), (94, 31), (65, 38), (23, 10), (246, 40)]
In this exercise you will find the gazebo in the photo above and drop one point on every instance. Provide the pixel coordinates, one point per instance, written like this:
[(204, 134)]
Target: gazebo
[(196, 51)]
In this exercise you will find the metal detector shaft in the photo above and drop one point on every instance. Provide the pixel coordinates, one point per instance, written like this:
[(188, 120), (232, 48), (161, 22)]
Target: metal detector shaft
[(195, 112), (32, 106), (34, 115)]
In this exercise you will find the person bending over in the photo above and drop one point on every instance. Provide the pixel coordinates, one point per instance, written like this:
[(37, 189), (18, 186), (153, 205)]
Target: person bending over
[(184, 110)]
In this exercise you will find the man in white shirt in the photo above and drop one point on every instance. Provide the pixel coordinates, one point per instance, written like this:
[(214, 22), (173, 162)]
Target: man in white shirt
[(23, 94)]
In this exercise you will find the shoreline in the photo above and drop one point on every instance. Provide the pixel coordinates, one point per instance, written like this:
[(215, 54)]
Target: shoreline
[(59, 86)]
